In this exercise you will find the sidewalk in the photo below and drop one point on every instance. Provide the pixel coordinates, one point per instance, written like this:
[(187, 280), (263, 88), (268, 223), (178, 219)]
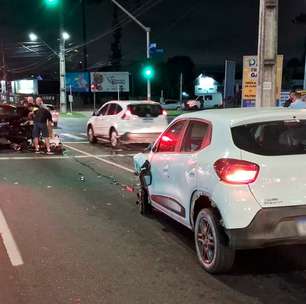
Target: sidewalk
[(76, 114)]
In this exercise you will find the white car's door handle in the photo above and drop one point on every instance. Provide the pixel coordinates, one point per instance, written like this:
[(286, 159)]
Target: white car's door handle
[(166, 169)]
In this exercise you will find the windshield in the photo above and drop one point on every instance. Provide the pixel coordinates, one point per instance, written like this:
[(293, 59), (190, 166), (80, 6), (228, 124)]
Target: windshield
[(272, 138), (146, 110)]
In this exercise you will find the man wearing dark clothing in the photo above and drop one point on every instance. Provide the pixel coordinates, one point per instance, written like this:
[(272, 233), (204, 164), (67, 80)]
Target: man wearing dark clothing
[(289, 100), (41, 116)]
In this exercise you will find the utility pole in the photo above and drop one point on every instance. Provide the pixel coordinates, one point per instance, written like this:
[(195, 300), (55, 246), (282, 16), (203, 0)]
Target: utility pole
[(181, 88), (4, 72), (63, 104), (62, 60), (267, 53), (148, 32)]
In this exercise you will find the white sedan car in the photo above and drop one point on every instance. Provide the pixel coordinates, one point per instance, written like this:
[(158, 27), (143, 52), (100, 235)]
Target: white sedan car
[(127, 122), (236, 177), (171, 104)]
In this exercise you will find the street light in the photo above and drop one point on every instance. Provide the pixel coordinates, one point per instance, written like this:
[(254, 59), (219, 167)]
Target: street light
[(62, 64), (65, 36), (63, 102), (33, 37)]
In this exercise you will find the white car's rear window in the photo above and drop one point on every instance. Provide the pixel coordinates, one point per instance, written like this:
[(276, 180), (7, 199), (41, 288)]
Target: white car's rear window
[(272, 138), (146, 110)]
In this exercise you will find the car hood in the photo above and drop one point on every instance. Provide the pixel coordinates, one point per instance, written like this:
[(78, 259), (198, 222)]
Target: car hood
[(8, 118)]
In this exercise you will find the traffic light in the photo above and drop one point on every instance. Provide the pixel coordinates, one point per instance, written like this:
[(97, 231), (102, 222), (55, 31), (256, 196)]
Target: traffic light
[(93, 87), (51, 3), (148, 72)]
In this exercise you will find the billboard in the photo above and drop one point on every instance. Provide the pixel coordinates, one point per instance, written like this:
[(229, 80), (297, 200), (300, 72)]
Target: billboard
[(25, 86), (110, 81), (249, 79), (78, 81)]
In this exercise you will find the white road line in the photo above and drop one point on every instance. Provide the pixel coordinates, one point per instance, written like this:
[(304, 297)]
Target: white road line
[(61, 157), (71, 136), (9, 242), (84, 134), (76, 142), (41, 157), (101, 159)]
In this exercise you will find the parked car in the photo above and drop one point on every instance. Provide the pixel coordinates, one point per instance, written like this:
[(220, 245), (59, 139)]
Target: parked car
[(171, 104), (206, 101), (236, 177), (11, 125), (127, 122), (54, 113), (9, 119)]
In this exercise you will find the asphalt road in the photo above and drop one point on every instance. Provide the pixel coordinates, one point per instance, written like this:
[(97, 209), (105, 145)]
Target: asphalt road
[(71, 233)]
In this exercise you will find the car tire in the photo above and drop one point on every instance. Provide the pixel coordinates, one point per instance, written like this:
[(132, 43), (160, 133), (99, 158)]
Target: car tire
[(91, 135), (214, 255), (113, 139), (143, 202)]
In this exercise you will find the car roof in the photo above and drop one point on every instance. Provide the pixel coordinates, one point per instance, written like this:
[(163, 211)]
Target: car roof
[(237, 116), (127, 102)]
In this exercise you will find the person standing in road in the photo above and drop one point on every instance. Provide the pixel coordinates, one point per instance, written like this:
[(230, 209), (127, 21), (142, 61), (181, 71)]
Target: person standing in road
[(30, 100), (41, 116), (289, 100), (297, 102)]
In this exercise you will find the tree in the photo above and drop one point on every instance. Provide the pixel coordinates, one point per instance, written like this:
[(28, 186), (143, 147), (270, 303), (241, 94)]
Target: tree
[(174, 67)]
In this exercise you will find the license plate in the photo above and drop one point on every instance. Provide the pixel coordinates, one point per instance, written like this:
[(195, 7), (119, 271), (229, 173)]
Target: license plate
[(147, 119), (301, 226)]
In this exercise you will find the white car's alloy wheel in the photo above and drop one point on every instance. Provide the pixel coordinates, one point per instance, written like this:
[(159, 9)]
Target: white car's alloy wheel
[(114, 141), (213, 253), (206, 241), (91, 135)]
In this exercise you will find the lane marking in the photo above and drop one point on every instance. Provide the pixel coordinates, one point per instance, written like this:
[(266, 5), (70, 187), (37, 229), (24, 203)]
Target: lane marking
[(75, 142), (101, 159), (61, 157), (83, 134), (71, 136), (9, 242), (41, 157)]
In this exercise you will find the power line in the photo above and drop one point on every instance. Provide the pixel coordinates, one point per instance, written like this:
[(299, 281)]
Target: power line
[(123, 23), (32, 66)]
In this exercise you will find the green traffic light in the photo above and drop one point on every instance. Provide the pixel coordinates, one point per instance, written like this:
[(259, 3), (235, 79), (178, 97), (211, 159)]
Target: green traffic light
[(148, 72), (52, 3)]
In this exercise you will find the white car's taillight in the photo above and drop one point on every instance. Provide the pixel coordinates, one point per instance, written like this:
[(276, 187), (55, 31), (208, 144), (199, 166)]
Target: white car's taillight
[(164, 113), (235, 171)]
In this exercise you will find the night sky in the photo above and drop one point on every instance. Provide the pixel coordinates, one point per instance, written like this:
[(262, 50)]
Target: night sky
[(209, 31)]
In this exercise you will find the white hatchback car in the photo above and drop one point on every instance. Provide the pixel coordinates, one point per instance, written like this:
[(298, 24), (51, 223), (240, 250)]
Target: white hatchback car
[(235, 176), (127, 122)]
